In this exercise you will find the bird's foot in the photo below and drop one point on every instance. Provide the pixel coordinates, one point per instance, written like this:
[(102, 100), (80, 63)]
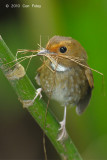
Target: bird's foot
[(27, 103), (38, 93), (63, 133)]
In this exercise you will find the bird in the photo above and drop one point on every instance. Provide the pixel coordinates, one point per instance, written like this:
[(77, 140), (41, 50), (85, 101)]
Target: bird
[(65, 76)]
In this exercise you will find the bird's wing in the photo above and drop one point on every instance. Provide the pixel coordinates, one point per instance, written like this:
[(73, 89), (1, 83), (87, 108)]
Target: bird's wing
[(83, 103)]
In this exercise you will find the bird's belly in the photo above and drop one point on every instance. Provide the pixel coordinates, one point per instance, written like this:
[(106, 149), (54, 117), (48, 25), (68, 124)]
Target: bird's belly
[(63, 96), (65, 87), (67, 92)]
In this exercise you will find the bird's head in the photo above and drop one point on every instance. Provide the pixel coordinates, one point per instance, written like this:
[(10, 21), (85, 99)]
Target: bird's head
[(64, 49)]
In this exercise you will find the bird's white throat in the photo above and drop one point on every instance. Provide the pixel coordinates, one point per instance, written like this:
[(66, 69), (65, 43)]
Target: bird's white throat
[(58, 67)]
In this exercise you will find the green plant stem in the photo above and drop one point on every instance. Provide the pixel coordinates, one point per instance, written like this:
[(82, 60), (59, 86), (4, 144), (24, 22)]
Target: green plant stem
[(26, 91)]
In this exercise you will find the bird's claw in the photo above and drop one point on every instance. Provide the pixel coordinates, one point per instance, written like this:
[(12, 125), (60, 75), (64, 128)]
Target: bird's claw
[(62, 123), (38, 93), (27, 103), (63, 133)]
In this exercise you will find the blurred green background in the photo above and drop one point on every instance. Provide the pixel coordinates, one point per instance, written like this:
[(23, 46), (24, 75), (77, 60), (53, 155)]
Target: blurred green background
[(85, 21)]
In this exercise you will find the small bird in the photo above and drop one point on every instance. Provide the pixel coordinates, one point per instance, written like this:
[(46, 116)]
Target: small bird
[(66, 76)]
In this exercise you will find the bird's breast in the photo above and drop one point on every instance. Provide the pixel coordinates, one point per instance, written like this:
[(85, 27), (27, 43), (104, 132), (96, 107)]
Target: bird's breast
[(66, 87)]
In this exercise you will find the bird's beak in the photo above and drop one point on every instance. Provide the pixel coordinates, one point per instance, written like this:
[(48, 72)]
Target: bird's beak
[(44, 51)]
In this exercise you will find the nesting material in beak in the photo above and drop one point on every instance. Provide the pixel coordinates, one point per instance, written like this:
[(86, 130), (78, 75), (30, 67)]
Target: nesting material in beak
[(44, 52)]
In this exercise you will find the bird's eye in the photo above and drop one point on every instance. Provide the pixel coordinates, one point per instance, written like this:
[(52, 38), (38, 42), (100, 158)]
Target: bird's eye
[(63, 49)]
